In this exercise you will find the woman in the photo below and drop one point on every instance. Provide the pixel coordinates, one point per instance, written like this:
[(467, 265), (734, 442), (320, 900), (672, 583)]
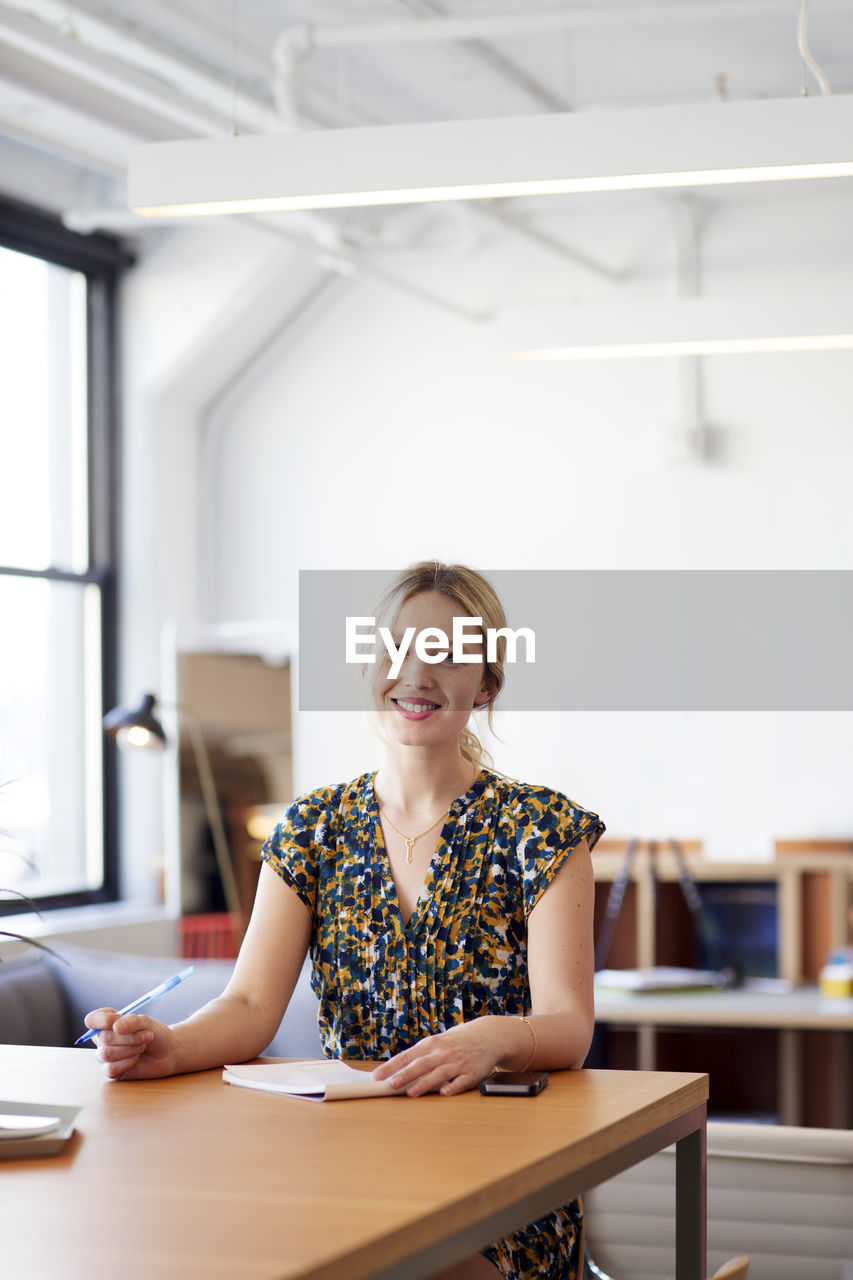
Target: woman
[(448, 911)]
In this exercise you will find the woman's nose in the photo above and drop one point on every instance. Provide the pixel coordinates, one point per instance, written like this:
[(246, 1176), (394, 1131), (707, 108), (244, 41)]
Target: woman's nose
[(417, 672)]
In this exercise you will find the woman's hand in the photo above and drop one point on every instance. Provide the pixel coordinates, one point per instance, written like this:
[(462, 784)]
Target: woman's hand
[(132, 1046), (450, 1062)]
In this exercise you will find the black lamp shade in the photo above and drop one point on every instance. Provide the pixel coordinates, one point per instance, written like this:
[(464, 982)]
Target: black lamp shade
[(141, 717)]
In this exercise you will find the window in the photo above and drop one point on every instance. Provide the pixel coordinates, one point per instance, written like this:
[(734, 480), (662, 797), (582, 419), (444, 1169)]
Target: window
[(57, 560)]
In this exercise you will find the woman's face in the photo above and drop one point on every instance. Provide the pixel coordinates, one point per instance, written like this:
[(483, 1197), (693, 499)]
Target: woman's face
[(429, 703)]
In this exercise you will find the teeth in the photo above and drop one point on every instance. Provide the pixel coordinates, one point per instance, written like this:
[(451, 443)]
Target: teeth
[(416, 706)]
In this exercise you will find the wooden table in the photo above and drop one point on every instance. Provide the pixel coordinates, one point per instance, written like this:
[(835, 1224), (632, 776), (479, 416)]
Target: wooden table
[(190, 1177), (788, 1013)]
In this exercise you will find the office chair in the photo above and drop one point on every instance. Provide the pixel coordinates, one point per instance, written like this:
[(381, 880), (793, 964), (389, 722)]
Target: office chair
[(734, 1269), (590, 1270)]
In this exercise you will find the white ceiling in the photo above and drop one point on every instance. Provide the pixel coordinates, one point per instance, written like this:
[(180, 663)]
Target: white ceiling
[(81, 81)]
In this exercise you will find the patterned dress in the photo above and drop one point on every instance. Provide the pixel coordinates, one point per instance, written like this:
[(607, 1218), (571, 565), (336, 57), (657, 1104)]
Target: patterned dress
[(382, 984)]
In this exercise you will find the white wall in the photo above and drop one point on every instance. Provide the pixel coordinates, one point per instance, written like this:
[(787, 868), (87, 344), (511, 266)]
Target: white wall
[(377, 429), (194, 309)]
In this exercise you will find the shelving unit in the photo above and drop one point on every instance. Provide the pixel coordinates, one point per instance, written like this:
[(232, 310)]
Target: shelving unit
[(814, 895), (781, 1056)]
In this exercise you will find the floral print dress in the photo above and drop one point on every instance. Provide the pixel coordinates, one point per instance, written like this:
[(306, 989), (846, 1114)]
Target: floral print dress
[(384, 984)]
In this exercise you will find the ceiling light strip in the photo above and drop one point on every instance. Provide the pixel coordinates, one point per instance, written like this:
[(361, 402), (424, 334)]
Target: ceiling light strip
[(697, 347), (683, 326), (559, 154)]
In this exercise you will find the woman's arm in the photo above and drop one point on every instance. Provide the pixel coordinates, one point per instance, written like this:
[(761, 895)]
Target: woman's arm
[(561, 963), (236, 1026), (558, 1031)]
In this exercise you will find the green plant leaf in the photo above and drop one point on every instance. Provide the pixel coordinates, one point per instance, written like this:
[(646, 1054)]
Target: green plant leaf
[(32, 942)]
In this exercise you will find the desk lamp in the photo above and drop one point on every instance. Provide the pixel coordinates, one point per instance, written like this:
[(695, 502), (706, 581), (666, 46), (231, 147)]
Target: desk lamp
[(139, 727)]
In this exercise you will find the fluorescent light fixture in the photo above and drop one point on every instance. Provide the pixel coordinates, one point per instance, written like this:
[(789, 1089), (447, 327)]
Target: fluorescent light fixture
[(679, 327), (613, 150)]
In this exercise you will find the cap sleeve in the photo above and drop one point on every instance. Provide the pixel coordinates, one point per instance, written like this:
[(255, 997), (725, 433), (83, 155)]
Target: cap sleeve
[(294, 848), (548, 827)]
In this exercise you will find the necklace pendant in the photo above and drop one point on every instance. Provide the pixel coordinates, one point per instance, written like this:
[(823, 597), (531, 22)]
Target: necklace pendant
[(409, 844)]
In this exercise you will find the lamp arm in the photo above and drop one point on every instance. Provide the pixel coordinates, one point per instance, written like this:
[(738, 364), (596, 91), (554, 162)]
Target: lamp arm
[(214, 818)]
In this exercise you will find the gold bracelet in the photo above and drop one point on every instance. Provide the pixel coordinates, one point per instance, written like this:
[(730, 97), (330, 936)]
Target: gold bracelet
[(535, 1044)]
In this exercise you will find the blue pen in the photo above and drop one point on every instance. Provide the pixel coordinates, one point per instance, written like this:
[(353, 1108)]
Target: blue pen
[(143, 1000)]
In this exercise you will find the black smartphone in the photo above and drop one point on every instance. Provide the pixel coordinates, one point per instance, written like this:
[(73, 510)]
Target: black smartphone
[(515, 1083)]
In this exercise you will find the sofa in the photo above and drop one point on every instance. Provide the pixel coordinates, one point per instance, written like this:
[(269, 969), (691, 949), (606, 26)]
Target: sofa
[(43, 999)]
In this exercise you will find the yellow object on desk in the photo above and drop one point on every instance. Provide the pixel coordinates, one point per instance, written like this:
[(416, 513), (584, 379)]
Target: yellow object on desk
[(836, 980)]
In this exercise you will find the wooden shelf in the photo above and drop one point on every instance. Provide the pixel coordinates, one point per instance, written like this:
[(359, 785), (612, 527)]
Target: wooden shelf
[(798, 1057), (814, 895)]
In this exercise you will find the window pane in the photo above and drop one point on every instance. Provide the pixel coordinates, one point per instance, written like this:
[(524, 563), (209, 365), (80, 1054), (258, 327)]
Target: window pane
[(43, 489), (51, 807)]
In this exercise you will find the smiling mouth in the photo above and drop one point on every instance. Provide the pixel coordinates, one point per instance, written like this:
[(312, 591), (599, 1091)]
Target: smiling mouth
[(414, 708)]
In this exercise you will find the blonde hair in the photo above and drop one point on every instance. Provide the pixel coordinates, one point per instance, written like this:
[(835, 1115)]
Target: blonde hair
[(476, 595)]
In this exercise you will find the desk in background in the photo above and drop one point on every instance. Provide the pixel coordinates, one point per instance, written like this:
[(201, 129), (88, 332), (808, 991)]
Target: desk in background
[(190, 1177), (788, 1014)]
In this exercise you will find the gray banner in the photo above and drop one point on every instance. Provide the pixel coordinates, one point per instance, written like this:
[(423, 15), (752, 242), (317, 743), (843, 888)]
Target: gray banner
[(624, 640)]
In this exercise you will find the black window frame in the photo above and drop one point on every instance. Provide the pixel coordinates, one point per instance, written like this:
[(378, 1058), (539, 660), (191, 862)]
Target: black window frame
[(102, 259)]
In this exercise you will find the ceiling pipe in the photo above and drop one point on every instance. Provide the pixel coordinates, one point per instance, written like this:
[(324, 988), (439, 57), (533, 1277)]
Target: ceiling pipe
[(130, 68), (494, 26), (487, 55), (287, 59), (289, 53), (694, 439), (339, 259), (501, 212)]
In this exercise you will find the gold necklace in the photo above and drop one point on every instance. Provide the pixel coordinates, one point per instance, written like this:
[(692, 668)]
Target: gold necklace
[(410, 840)]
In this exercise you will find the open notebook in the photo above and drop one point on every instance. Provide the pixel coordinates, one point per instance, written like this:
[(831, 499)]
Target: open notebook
[(320, 1080)]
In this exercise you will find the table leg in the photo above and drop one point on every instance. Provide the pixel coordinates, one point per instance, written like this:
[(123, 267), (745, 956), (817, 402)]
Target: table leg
[(842, 1089), (647, 1048), (690, 1206), (789, 1053)]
